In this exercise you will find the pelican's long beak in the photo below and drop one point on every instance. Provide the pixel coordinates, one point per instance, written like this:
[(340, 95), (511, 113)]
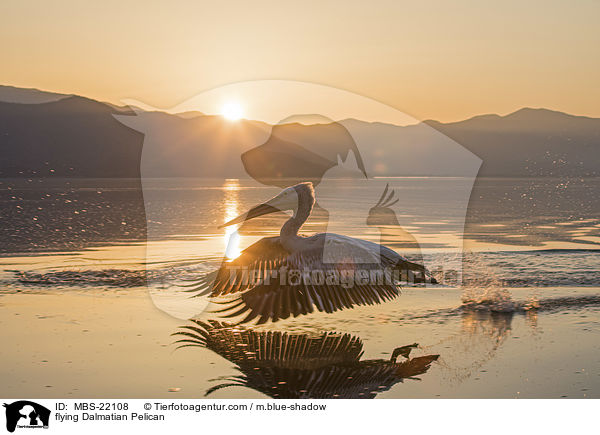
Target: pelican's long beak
[(286, 200), (257, 211)]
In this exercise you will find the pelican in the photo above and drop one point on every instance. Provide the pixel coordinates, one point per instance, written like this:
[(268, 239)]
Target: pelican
[(327, 259)]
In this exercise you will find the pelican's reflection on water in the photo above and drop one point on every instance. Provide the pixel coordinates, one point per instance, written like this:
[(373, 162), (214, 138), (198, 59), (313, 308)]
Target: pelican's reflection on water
[(319, 365), (294, 366)]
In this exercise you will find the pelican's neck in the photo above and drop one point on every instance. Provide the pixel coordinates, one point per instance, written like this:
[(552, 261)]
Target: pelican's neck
[(289, 230)]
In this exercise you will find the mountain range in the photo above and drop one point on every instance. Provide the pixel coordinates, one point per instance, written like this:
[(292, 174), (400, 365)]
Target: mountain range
[(45, 134)]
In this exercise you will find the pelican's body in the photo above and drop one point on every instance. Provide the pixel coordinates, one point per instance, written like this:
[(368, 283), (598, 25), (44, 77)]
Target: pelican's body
[(329, 258)]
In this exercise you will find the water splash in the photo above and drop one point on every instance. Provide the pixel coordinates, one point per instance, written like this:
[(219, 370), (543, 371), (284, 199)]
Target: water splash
[(482, 289)]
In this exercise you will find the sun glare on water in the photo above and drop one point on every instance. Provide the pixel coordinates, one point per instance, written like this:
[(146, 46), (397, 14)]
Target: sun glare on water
[(231, 201), (232, 111)]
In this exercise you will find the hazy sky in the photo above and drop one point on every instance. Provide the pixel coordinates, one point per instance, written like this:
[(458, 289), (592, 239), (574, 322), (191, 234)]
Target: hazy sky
[(445, 60)]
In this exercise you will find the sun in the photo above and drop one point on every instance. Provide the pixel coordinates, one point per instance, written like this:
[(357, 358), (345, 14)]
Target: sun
[(232, 110)]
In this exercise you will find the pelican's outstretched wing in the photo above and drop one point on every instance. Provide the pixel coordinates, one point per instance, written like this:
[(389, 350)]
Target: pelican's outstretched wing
[(238, 275), (328, 286), (276, 284)]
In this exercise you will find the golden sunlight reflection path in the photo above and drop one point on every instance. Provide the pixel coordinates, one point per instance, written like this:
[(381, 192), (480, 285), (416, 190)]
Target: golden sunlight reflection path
[(231, 239)]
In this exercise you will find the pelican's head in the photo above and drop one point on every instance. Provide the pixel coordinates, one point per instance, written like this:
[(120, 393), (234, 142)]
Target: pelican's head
[(290, 198)]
